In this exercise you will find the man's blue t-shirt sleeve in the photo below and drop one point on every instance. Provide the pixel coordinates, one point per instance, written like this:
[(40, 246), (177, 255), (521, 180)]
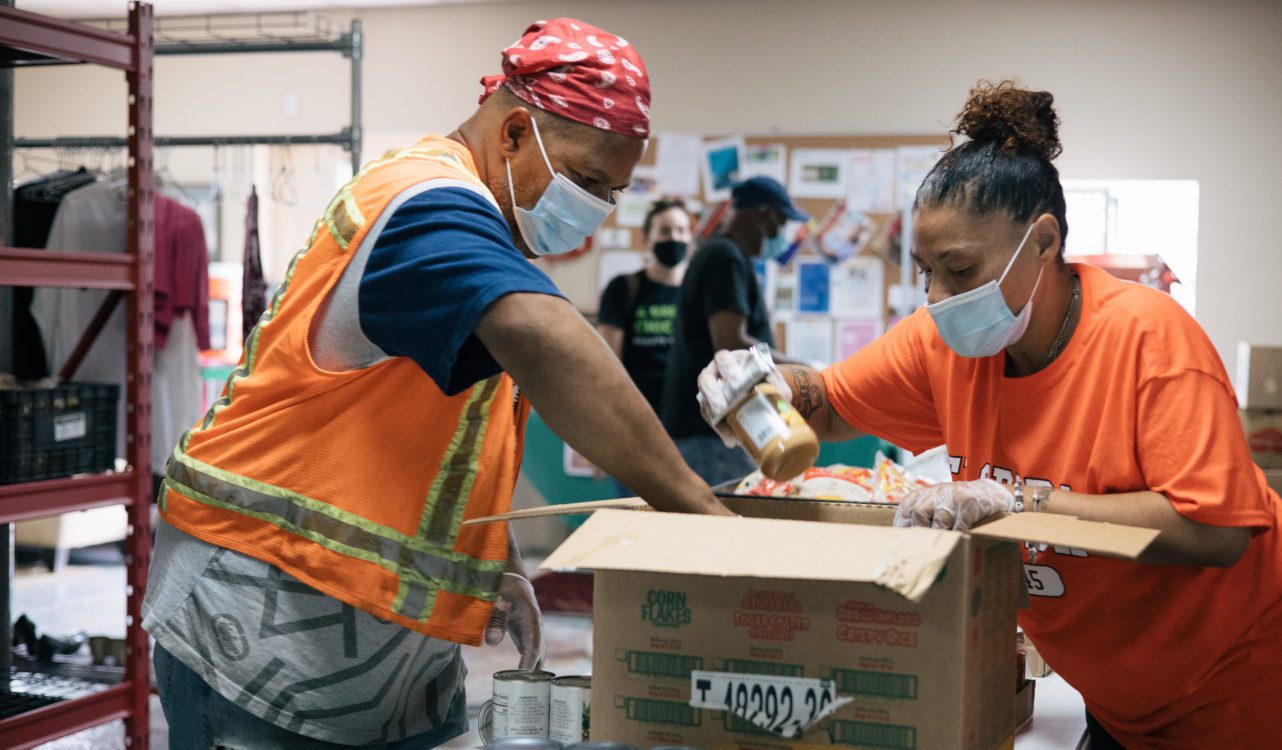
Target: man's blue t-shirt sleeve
[(444, 256)]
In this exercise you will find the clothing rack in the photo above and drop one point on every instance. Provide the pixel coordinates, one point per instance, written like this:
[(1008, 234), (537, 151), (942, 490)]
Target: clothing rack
[(30, 38), (350, 45)]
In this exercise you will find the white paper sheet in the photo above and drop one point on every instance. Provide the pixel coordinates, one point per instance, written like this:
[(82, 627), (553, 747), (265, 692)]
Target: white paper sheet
[(634, 202), (611, 263), (912, 163), (818, 172), (810, 340), (765, 160), (857, 288), (677, 164), (721, 163), (872, 180)]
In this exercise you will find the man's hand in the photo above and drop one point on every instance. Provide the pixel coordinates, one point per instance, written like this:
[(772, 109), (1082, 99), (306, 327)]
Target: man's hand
[(725, 379), (953, 505), (517, 612)]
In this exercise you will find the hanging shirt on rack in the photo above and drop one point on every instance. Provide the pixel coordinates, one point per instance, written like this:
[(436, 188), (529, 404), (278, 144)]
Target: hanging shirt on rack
[(35, 204), (92, 219), (253, 298), (181, 273)]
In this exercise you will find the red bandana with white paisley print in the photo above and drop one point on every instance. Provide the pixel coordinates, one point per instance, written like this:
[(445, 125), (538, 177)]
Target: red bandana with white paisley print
[(579, 71)]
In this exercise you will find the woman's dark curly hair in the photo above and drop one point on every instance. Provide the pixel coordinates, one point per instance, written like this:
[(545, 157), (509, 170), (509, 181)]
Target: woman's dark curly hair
[(1006, 163)]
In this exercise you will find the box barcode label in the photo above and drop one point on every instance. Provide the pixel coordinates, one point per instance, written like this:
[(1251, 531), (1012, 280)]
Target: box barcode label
[(867, 734), (663, 665), (749, 666), (70, 426), (662, 712), (881, 684)]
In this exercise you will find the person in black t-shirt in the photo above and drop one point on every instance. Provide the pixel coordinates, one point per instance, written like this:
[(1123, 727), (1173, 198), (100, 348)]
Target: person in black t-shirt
[(721, 306), (638, 312)]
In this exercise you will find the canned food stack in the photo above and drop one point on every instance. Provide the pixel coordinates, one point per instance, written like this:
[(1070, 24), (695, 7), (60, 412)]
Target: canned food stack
[(538, 708)]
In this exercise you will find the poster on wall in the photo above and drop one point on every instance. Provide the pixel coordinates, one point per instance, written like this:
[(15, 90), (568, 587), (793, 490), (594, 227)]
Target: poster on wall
[(845, 233), (852, 335), (812, 287), (635, 201), (765, 160), (810, 340), (819, 172), (613, 263), (912, 164), (721, 163), (676, 164), (857, 288), (872, 180)]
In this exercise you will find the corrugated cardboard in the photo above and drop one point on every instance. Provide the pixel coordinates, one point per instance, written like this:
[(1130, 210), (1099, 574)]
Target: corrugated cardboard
[(916, 625), (1259, 376), (1263, 436)]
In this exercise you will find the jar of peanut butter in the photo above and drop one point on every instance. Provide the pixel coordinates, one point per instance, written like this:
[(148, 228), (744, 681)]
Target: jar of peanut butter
[(774, 433)]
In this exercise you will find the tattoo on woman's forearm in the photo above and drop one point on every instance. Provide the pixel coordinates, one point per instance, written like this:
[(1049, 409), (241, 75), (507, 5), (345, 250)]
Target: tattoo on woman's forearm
[(806, 397)]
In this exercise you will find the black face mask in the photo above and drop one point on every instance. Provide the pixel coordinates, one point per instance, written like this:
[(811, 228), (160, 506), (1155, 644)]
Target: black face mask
[(670, 252)]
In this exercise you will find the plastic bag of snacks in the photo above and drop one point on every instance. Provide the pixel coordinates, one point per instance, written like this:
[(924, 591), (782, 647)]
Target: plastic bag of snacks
[(893, 481), (886, 482)]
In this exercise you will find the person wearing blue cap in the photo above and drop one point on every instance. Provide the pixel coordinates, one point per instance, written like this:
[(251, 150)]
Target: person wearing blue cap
[(721, 306)]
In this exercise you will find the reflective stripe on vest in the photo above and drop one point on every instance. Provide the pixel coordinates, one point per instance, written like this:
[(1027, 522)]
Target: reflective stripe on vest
[(420, 565)]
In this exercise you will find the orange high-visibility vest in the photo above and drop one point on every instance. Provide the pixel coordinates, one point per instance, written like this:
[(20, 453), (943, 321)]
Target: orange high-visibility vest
[(357, 483)]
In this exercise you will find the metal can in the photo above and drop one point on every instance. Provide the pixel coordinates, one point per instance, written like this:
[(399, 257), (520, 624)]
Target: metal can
[(519, 707), (570, 712), (524, 743)]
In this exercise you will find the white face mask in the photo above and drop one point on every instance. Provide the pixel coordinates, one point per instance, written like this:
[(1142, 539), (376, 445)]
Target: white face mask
[(978, 323), (564, 216)]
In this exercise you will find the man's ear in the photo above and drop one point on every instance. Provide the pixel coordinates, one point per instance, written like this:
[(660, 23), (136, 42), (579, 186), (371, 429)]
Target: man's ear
[(515, 129)]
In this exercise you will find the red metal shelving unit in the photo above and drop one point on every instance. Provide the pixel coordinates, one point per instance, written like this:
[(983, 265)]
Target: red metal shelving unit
[(32, 39)]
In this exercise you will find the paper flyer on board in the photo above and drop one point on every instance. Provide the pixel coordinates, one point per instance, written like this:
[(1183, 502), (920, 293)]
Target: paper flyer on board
[(721, 163), (676, 164), (872, 180)]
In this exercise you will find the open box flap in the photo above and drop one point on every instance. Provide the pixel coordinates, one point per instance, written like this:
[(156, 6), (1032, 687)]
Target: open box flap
[(1066, 531), (906, 562), (566, 509)]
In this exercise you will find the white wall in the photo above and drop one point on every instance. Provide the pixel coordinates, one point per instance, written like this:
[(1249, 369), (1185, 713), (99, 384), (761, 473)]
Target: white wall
[(1148, 89)]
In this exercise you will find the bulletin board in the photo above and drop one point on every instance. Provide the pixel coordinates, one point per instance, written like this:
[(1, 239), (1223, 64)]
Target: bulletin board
[(616, 246)]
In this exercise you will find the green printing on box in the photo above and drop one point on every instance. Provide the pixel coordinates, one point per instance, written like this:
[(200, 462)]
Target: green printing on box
[(773, 669), (881, 684), (662, 712), (662, 665), (867, 734)]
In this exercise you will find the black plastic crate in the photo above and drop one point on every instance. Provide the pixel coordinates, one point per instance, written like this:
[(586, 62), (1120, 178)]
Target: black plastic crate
[(47, 433)]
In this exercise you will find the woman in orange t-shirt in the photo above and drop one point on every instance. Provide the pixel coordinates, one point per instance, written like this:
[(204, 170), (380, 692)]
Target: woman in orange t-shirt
[(1101, 399)]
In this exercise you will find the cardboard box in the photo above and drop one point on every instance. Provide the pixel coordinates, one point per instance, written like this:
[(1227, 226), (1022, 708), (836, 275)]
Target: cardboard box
[(908, 633), (1263, 436), (1259, 376)]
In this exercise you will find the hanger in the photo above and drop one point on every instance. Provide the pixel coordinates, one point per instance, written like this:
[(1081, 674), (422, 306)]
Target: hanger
[(283, 185)]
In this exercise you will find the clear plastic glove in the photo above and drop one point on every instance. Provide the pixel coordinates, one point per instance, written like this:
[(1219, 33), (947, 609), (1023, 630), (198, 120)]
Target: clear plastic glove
[(728, 378), (517, 612), (953, 505)]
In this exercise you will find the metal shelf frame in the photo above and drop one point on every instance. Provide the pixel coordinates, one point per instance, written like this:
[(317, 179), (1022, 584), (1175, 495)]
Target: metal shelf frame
[(350, 45), (26, 37)]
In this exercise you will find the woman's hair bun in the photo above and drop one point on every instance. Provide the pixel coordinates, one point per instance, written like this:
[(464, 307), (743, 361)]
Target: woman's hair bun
[(1017, 120)]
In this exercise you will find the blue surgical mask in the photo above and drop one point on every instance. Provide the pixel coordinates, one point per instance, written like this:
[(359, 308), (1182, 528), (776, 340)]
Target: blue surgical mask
[(564, 216), (774, 247), (978, 323)]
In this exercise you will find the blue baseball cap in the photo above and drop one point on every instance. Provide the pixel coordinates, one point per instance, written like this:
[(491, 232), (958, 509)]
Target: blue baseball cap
[(766, 192)]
